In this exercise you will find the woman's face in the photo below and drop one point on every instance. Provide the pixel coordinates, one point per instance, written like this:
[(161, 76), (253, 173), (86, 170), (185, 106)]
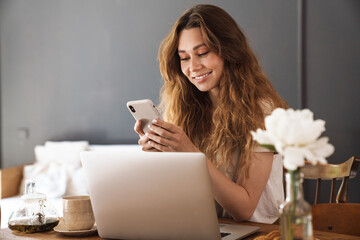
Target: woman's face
[(201, 66)]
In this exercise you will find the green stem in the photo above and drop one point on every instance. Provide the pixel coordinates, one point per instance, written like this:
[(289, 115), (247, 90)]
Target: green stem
[(294, 176)]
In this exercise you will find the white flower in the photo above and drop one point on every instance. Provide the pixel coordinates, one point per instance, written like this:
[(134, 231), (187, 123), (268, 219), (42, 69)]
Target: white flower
[(295, 135)]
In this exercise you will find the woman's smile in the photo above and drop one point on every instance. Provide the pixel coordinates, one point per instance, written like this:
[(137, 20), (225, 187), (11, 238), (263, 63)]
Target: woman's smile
[(202, 78)]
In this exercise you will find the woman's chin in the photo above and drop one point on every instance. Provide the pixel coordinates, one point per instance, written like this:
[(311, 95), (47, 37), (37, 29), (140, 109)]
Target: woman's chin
[(202, 88)]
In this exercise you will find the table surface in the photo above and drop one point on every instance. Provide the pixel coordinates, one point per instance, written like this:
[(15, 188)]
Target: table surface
[(7, 234)]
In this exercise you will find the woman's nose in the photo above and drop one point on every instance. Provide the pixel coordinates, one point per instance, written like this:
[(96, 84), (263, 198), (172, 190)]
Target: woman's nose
[(194, 64)]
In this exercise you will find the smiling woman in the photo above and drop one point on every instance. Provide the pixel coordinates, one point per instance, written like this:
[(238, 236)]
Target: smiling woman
[(214, 95)]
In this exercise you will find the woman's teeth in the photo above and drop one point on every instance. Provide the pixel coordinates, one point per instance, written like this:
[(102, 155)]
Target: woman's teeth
[(202, 76)]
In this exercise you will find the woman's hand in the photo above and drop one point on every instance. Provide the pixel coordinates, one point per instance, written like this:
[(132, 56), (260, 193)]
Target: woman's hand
[(144, 140), (167, 137)]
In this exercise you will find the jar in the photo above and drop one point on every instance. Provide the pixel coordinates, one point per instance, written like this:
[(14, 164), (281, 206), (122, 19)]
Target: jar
[(34, 213)]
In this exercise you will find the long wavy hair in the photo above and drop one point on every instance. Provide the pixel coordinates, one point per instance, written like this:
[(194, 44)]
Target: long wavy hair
[(244, 90)]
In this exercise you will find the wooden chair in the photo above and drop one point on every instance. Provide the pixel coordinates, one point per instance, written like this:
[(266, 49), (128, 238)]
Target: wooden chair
[(333, 172), (336, 216), (10, 181)]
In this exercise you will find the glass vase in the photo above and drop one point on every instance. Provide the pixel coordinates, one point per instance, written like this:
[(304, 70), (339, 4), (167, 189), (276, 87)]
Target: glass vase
[(295, 212)]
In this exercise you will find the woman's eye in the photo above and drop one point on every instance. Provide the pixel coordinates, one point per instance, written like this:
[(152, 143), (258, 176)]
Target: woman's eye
[(184, 58), (203, 54)]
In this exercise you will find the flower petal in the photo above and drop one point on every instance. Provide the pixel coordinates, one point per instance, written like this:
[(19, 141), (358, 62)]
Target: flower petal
[(261, 136), (322, 148), (293, 158), (319, 150), (294, 127)]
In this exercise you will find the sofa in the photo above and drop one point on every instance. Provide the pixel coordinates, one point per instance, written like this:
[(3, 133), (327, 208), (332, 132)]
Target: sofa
[(57, 171)]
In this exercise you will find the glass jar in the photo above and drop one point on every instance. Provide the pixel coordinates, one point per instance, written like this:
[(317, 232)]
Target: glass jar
[(34, 214), (295, 212)]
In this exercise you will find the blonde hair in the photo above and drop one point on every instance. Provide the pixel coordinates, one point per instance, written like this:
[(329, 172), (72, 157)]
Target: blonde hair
[(243, 89)]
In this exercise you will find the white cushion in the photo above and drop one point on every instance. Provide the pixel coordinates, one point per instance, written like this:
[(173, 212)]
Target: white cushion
[(55, 164)]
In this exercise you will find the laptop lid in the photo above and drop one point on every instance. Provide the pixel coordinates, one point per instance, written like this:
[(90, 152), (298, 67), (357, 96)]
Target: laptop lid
[(145, 195)]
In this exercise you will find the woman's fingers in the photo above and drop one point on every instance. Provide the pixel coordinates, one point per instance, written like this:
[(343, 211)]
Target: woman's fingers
[(167, 137), (150, 149), (138, 128), (144, 139), (164, 129), (159, 139), (145, 144), (165, 125), (160, 147)]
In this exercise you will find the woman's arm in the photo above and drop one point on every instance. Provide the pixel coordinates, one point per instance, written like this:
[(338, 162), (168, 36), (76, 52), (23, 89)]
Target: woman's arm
[(240, 199)]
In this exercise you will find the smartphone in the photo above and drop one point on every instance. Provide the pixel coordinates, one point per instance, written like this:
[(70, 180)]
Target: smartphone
[(143, 110)]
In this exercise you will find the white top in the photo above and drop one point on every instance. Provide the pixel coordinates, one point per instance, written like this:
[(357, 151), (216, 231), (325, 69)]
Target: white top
[(267, 210)]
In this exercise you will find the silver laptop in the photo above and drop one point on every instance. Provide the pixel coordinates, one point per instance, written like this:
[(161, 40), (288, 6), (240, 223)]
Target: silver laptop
[(143, 195)]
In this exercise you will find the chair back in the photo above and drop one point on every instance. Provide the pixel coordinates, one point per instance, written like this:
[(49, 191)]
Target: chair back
[(333, 172)]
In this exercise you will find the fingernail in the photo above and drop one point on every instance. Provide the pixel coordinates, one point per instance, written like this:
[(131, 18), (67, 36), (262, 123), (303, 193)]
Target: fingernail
[(147, 134), (149, 126), (154, 121)]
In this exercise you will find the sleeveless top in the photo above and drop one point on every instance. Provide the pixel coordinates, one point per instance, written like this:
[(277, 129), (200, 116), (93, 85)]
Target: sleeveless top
[(267, 210)]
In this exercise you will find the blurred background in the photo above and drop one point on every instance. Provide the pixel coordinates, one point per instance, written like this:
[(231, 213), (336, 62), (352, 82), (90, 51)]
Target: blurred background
[(67, 68)]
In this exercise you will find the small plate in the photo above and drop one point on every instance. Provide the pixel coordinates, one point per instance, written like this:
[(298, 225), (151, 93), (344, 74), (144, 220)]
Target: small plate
[(77, 233)]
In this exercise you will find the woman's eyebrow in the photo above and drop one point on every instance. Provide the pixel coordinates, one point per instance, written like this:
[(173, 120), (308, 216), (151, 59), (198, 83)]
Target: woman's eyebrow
[(194, 48)]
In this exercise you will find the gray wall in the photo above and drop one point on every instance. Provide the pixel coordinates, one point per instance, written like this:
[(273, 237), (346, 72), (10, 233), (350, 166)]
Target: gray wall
[(332, 75), (68, 67)]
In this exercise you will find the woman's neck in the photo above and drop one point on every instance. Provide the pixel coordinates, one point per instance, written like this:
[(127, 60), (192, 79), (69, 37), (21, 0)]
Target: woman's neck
[(214, 97)]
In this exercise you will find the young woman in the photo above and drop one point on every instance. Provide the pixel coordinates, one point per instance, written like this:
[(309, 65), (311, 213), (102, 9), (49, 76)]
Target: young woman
[(214, 94)]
